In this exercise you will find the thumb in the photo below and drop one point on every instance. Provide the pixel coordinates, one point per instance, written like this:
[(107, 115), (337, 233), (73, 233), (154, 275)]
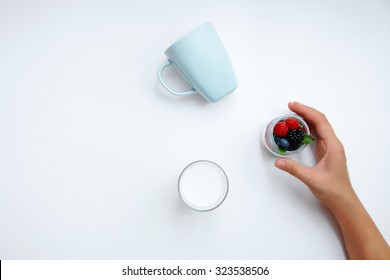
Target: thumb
[(294, 168)]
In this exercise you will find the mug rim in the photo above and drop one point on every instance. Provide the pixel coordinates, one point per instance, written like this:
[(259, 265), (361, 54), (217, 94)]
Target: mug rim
[(182, 38)]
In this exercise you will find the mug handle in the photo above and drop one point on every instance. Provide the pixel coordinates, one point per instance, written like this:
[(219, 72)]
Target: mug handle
[(174, 92)]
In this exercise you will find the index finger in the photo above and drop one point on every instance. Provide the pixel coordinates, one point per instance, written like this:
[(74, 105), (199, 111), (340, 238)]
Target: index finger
[(317, 119)]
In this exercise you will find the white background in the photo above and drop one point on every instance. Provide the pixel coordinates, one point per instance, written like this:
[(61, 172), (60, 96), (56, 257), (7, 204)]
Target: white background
[(91, 146)]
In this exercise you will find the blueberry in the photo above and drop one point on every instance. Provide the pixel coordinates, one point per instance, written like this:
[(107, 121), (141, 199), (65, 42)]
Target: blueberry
[(277, 139), (283, 144)]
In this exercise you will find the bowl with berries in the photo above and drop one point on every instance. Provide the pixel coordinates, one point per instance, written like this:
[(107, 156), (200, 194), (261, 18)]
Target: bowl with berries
[(287, 135)]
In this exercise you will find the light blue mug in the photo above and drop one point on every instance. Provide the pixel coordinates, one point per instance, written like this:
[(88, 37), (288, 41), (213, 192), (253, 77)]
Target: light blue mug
[(200, 57)]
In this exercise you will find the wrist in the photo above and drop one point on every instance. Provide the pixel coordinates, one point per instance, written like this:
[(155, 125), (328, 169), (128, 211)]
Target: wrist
[(345, 207), (341, 198)]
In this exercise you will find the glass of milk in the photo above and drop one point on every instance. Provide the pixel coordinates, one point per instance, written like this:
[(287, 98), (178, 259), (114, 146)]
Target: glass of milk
[(203, 185)]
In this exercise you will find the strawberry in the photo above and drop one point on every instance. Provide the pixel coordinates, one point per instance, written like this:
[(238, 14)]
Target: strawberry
[(281, 129), (292, 123)]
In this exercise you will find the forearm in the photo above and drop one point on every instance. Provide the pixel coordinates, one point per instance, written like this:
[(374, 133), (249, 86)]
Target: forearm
[(362, 238)]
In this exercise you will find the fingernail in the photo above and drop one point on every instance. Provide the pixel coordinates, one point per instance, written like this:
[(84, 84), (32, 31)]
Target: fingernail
[(280, 164)]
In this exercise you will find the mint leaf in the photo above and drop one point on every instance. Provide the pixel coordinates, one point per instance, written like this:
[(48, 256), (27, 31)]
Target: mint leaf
[(307, 139), (281, 151)]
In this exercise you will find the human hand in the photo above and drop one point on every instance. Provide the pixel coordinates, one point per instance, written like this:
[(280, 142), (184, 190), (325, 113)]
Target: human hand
[(328, 180)]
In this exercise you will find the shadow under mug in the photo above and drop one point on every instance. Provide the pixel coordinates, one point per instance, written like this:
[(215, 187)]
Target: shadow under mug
[(201, 59)]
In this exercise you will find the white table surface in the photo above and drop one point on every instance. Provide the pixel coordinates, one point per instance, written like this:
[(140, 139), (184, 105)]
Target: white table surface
[(91, 146)]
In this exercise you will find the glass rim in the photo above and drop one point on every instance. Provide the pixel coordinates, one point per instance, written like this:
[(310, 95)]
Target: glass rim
[(212, 206)]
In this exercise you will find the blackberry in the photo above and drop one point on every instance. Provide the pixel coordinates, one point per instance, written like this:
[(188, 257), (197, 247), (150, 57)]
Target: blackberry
[(295, 138)]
